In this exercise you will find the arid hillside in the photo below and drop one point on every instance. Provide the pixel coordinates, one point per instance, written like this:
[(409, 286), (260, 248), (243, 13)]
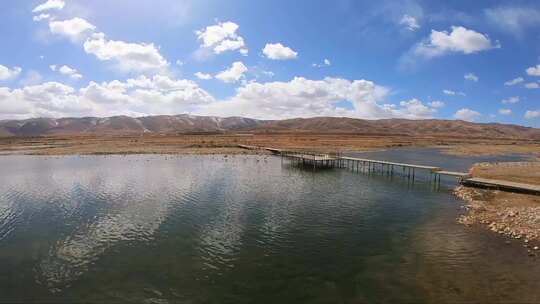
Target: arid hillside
[(186, 124)]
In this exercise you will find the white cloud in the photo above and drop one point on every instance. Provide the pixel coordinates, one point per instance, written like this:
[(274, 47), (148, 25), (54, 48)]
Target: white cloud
[(203, 76), (66, 70), (7, 73), (303, 97), (414, 108), (326, 62), (128, 57), (514, 81), (511, 100), (453, 93), (41, 17), (437, 104), (471, 77), (49, 5), (233, 74), (47, 99), (179, 62), (467, 114), (532, 114), (532, 85), (222, 37), (459, 40), (135, 97), (73, 29), (534, 71), (409, 22), (505, 111), (277, 51), (513, 19)]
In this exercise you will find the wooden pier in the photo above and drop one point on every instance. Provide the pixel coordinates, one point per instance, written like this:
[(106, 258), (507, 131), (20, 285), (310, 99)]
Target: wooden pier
[(501, 185), (335, 160)]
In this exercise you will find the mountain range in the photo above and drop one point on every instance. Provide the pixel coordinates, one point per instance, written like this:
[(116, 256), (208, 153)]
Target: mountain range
[(175, 124)]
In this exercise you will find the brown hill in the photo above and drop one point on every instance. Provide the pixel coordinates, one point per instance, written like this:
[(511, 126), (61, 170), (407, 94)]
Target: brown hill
[(406, 127), (190, 124)]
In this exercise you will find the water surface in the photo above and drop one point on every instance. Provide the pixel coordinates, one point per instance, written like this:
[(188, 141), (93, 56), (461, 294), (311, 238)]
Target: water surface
[(242, 229)]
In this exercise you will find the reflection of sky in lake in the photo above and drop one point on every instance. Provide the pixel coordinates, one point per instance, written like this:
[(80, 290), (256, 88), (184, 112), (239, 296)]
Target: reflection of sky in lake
[(234, 229)]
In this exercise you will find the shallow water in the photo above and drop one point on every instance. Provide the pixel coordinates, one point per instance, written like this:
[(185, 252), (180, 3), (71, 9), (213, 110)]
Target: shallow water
[(241, 229)]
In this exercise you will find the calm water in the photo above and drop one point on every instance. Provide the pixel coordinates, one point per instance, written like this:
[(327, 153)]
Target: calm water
[(242, 229)]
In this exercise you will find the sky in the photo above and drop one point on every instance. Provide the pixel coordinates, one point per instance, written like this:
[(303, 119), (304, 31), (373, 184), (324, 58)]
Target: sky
[(272, 59)]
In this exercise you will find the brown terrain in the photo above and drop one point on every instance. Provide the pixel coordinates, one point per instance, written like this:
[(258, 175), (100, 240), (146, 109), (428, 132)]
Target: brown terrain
[(204, 134)]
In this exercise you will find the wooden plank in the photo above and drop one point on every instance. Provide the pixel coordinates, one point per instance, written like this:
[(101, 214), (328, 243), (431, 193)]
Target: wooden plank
[(453, 173), (432, 168), (501, 185)]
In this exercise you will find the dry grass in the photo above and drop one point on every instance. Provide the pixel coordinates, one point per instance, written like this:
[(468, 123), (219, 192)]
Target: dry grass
[(521, 172), (227, 143)]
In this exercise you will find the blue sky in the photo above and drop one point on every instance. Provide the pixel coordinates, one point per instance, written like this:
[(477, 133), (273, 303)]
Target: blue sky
[(471, 60)]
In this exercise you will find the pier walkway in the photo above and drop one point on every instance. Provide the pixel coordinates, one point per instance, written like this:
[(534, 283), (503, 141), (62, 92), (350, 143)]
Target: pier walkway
[(335, 160), (501, 185)]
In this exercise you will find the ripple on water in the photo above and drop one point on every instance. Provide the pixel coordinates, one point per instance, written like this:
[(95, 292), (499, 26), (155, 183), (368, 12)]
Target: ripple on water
[(200, 229)]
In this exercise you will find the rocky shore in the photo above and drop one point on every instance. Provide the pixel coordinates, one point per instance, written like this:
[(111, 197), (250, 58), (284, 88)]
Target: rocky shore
[(511, 214)]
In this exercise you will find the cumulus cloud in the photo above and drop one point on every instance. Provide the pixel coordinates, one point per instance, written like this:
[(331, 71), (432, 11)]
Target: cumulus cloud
[(532, 85), (409, 22), (513, 19), (49, 5), (534, 71), (73, 29), (203, 76), (437, 104), (514, 81), (46, 99), (413, 108), (471, 77), (128, 57), (299, 97), (459, 40), (453, 93), (511, 100), (233, 74), (7, 73), (67, 71), (136, 96), (505, 111), (467, 114), (222, 37), (532, 114), (303, 97), (41, 17), (277, 51)]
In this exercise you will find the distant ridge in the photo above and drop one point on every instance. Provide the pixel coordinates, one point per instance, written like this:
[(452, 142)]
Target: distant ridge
[(184, 123)]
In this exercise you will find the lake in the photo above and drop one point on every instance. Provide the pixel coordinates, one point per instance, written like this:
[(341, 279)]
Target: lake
[(244, 229)]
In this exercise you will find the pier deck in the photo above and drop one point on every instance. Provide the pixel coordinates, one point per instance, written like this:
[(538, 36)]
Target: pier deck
[(382, 162), (501, 185), (408, 170)]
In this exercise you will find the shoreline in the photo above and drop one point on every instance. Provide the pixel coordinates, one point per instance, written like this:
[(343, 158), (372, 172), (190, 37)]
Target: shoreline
[(514, 215)]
